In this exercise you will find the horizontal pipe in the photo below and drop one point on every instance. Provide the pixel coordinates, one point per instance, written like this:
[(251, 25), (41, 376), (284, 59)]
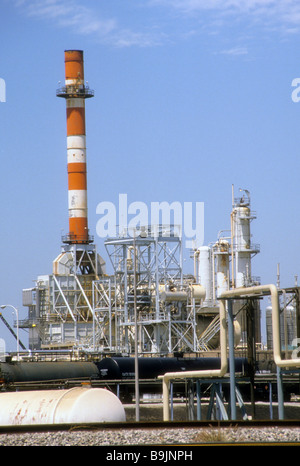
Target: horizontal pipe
[(230, 294), (170, 296), (273, 291)]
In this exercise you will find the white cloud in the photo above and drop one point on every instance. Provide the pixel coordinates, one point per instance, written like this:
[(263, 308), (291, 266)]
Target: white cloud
[(235, 51), (280, 11), (192, 17), (242, 20), (198, 5), (83, 20), (67, 13)]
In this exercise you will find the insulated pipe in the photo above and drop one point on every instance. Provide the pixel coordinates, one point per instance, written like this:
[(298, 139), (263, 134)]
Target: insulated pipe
[(234, 293), (75, 94), (202, 373), (273, 291), (280, 363), (171, 296)]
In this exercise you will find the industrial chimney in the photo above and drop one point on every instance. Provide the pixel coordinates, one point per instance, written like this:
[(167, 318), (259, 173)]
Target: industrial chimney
[(75, 92)]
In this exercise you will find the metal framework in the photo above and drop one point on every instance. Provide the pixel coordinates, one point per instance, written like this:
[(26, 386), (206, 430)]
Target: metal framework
[(146, 299), (146, 267), (61, 311)]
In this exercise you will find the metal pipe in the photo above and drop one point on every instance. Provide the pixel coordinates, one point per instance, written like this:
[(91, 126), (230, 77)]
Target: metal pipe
[(230, 294), (273, 291), (136, 360), (231, 360), (280, 363), (202, 373), (196, 265)]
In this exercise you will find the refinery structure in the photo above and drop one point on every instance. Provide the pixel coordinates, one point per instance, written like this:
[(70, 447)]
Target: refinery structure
[(147, 299), (147, 321)]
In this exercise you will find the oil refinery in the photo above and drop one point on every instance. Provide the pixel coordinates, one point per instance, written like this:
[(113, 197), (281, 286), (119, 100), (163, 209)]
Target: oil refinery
[(147, 306), (79, 306)]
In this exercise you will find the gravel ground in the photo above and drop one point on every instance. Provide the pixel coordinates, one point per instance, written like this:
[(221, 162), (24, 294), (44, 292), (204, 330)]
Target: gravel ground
[(150, 437), (163, 436)]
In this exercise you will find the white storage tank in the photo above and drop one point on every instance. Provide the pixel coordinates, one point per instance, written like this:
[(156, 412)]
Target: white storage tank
[(242, 246), (205, 272), (74, 406), (222, 266)]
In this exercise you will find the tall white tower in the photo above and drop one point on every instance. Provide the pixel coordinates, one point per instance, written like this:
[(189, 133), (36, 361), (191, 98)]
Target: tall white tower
[(242, 247)]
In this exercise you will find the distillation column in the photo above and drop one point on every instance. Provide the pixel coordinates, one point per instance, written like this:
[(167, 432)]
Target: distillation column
[(243, 249)]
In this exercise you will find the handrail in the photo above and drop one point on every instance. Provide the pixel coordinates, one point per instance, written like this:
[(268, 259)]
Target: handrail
[(75, 91)]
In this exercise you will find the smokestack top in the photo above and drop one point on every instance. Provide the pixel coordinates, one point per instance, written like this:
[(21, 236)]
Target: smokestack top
[(74, 65), (71, 55), (74, 77)]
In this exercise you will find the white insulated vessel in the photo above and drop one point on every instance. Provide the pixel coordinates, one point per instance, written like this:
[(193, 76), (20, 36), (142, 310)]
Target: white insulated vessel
[(205, 272), (73, 406), (221, 251), (243, 249), (242, 245)]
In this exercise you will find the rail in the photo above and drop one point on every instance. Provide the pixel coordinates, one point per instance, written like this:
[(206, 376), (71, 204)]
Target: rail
[(198, 434), (75, 91), (80, 239)]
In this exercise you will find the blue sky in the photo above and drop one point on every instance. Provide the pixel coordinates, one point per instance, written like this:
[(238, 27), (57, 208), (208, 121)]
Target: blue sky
[(191, 96)]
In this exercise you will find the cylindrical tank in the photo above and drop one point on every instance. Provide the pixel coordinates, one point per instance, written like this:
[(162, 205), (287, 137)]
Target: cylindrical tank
[(171, 296), (205, 272), (75, 406), (242, 245), (150, 368), (38, 371), (197, 292), (222, 266)]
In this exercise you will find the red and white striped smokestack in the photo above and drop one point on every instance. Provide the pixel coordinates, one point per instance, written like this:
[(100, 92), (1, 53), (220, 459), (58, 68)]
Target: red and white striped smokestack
[(75, 92)]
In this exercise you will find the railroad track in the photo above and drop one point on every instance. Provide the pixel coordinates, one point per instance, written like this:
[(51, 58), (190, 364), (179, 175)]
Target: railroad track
[(230, 424), (156, 436)]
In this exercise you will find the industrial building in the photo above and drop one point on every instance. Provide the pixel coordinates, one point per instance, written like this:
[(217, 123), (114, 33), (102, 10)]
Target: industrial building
[(147, 307), (80, 307)]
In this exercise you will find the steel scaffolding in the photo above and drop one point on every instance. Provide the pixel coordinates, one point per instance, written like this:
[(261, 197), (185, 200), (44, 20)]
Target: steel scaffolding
[(147, 264)]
